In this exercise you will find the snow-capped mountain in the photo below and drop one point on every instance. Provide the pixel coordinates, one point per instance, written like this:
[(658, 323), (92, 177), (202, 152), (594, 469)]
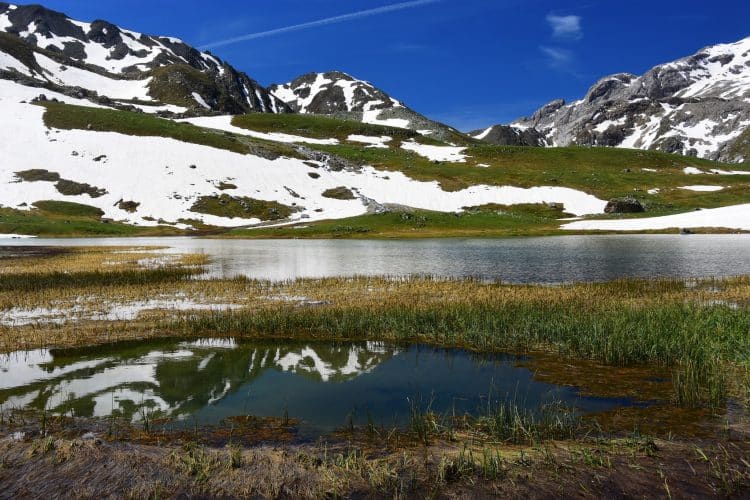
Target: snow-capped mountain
[(43, 48), (339, 94), (696, 106)]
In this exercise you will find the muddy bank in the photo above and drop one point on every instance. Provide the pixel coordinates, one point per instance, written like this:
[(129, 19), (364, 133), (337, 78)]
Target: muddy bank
[(91, 465)]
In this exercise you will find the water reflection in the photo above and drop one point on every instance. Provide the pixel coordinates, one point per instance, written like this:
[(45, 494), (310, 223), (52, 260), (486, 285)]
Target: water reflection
[(521, 260), (177, 380), (207, 381)]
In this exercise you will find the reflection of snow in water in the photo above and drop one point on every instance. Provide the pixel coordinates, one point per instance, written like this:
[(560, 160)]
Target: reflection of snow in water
[(308, 361), (103, 312), (210, 344), (113, 383)]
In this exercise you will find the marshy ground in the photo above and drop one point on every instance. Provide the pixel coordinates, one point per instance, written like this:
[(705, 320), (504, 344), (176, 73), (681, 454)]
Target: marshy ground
[(685, 344)]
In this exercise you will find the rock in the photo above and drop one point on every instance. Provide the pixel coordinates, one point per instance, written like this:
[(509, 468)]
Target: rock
[(627, 205), (505, 135)]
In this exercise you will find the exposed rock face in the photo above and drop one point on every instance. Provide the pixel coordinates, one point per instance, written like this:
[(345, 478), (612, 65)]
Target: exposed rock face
[(627, 205), (505, 135), (338, 94), (108, 50), (696, 106)]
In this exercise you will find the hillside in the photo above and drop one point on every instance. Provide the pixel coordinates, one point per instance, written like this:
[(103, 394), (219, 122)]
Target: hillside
[(696, 106), (115, 66), (119, 133)]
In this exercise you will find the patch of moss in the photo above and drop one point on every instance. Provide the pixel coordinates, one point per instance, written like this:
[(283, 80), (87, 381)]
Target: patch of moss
[(242, 207), (67, 208), (38, 175), (128, 206), (339, 193), (72, 188)]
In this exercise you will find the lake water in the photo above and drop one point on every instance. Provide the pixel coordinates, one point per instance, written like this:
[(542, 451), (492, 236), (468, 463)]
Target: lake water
[(521, 260), (203, 382)]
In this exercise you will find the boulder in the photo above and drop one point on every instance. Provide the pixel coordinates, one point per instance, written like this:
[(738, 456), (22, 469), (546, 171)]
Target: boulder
[(627, 205)]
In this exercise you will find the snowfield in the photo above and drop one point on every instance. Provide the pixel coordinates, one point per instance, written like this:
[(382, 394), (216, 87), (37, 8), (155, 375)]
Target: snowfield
[(451, 154), (374, 142), (733, 217), (166, 176)]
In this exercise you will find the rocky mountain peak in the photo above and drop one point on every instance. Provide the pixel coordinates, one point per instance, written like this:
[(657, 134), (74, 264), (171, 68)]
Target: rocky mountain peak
[(175, 72), (696, 106), (332, 92)]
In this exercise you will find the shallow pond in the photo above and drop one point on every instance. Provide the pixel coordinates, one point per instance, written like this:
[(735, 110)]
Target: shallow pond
[(519, 260), (321, 385)]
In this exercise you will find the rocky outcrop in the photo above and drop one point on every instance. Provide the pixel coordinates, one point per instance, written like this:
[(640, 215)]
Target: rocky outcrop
[(627, 205), (505, 135)]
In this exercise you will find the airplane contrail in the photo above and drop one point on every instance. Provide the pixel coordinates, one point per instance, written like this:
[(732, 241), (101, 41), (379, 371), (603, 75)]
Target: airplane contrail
[(321, 22)]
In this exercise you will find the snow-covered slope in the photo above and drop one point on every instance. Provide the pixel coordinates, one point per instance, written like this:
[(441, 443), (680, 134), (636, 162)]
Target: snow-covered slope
[(42, 47), (163, 178), (339, 94), (696, 106)]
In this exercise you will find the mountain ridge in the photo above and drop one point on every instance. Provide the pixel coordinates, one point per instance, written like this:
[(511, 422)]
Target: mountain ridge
[(171, 71), (698, 105), (339, 94)]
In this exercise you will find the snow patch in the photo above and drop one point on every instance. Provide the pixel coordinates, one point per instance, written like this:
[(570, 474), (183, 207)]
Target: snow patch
[(199, 99), (375, 142), (451, 154), (703, 188), (732, 217)]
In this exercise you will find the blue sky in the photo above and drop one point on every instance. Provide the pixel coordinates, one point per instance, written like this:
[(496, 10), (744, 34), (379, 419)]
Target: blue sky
[(469, 63)]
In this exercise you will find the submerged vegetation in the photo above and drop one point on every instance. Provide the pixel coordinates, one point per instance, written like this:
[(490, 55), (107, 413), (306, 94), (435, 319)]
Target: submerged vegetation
[(698, 329)]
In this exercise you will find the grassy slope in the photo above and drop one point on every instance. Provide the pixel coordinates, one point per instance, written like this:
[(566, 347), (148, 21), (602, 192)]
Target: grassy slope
[(603, 172), (519, 220), (316, 127), (69, 117)]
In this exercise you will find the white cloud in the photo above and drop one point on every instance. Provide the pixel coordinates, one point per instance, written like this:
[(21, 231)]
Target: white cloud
[(565, 27), (557, 57)]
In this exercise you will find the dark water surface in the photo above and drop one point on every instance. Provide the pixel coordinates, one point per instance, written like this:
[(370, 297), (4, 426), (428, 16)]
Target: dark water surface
[(552, 259), (203, 382)]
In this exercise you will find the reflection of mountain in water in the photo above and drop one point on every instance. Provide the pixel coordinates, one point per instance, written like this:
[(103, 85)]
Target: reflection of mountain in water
[(173, 379)]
